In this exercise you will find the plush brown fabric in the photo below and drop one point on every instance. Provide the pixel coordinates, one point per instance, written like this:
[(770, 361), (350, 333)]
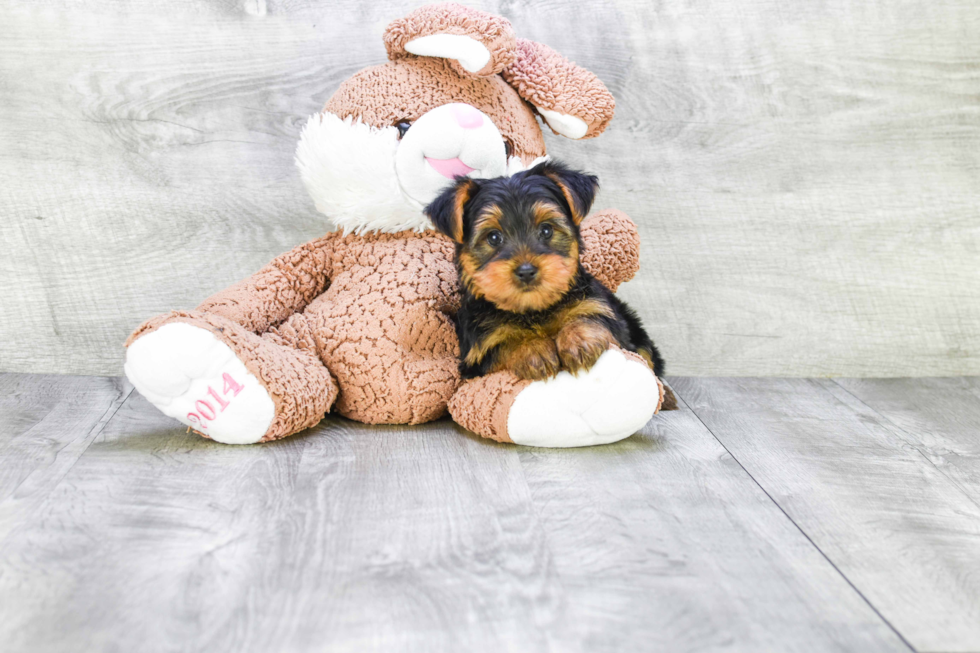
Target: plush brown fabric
[(364, 321), (482, 405), (541, 76), (278, 290), (382, 324), (605, 232), (550, 81), (301, 388), (401, 90), (376, 311), (494, 32), (382, 327)]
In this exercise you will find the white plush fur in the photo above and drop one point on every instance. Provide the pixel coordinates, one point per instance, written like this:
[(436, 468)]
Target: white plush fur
[(564, 124), (365, 179), (609, 402), (348, 168), (470, 53), (515, 164), (175, 366)]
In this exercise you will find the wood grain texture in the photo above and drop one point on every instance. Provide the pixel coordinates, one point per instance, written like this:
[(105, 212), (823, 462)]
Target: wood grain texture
[(904, 533), (939, 417), (46, 424), (347, 538), (806, 177), (359, 538), (663, 543)]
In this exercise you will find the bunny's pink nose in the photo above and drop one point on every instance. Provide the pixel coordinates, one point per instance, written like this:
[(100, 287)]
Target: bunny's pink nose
[(467, 116)]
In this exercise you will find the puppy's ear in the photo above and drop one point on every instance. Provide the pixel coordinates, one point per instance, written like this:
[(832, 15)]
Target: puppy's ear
[(446, 211), (578, 188)]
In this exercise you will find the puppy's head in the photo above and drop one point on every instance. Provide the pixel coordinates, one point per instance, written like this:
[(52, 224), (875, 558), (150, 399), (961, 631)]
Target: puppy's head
[(518, 237)]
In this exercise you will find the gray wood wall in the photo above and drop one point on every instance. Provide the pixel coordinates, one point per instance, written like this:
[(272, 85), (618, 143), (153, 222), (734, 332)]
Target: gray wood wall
[(805, 174)]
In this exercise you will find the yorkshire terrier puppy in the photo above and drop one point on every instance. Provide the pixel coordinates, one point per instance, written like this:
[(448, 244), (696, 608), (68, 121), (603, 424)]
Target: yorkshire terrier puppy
[(527, 304)]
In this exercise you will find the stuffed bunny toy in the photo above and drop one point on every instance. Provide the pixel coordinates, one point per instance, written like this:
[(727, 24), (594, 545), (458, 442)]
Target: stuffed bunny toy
[(360, 320)]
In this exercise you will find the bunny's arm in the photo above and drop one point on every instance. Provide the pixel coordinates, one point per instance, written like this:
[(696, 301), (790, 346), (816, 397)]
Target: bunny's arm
[(612, 247)]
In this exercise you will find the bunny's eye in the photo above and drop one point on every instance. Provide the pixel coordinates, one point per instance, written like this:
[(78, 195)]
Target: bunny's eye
[(402, 127), (508, 148)]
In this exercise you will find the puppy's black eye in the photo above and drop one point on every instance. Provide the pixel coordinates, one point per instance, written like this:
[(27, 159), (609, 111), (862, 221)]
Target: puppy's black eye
[(494, 238), (508, 148), (546, 231), (402, 127)]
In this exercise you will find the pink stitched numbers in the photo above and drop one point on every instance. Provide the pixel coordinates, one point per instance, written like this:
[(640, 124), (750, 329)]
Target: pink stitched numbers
[(205, 410)]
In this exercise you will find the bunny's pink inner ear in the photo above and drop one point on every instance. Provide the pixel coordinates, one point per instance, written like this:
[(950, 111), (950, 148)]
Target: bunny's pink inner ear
[(570, 99), (477, 43)]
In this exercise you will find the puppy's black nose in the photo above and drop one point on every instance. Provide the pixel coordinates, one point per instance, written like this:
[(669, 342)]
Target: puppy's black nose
[(526, 272)]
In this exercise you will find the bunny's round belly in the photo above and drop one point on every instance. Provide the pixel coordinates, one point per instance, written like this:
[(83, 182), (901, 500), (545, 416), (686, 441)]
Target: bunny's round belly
[(383, 331)]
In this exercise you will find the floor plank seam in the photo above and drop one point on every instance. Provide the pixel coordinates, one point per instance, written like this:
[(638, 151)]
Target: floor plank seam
[(104, 421), (90, 437), (903, 435), (802, 532)]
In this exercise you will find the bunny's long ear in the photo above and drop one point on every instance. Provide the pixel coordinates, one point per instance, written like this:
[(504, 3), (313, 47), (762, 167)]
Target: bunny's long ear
[(446, 211), (571, 100), (478, 44)]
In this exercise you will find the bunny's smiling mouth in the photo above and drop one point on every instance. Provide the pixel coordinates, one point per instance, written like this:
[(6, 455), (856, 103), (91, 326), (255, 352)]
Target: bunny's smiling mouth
[(449, 168)]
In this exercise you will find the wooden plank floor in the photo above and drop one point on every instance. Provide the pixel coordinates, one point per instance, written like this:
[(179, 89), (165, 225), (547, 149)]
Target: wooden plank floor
[(764, 515)]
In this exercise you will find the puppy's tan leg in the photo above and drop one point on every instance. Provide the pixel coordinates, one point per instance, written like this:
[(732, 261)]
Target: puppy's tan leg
[(532, 359), (581, 343)]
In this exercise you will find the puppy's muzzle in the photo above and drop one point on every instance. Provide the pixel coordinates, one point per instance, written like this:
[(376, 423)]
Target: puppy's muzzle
[(526, 272)]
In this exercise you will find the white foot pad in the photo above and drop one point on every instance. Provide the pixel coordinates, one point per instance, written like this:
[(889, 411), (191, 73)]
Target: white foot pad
[(195, 378), (611, 401)]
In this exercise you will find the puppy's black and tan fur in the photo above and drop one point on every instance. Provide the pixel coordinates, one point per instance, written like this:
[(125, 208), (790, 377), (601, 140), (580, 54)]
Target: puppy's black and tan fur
[(527, 304)]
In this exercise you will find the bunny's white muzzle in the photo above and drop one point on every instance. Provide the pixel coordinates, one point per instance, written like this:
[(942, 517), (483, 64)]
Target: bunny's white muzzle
[(448, 141)]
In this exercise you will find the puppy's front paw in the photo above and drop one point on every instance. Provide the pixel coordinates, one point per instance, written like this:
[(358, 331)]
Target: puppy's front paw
[(580, 344), (535, 360)]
